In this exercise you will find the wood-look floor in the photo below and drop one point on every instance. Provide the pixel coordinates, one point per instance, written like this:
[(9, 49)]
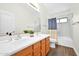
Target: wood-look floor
[(61, 51)]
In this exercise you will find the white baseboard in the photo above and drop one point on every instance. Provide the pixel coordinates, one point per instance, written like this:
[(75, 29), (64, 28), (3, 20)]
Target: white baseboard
[(76, 52)]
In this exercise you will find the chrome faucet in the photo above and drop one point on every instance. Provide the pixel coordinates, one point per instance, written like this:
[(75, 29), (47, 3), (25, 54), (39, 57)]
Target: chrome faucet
[(18, 36)]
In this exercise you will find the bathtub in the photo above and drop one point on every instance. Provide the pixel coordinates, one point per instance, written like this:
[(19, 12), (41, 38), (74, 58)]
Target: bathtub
[(65, 41)]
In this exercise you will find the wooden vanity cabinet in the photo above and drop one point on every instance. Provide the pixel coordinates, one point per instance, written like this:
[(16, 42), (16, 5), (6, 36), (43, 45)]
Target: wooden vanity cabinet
[(40, 48), (47, 45), (43, 48), (36, 49), (25, 52)]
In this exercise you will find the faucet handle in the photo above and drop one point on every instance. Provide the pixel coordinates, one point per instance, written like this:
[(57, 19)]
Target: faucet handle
[(7, 33)]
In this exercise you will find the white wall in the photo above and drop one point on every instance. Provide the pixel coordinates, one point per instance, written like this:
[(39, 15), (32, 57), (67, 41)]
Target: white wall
[(25, 16), (44, 19), (75, 28), (75, 31)]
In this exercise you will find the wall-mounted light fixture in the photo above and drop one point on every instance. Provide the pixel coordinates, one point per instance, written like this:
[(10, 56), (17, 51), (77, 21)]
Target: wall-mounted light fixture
[(34, 6)]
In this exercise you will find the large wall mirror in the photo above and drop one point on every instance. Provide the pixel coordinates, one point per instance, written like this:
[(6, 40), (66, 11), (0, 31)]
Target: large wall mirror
[(7, 22)]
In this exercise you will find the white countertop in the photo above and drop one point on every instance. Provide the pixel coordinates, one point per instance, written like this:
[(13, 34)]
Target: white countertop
[(14, 46)]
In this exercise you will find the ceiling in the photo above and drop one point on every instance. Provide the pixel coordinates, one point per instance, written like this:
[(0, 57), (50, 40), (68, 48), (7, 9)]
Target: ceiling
[(60, 7)]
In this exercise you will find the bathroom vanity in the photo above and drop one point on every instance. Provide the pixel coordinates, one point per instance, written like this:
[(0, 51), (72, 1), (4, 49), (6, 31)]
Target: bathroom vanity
[(39, 45), (40, 48)]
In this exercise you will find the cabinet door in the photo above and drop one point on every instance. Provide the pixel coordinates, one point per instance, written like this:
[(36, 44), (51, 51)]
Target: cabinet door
[(47, 44), (43, 47), (36, 49), (25, 52)]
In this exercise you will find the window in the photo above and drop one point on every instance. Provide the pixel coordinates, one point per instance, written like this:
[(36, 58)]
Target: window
[(58, 21), (52, 24), (62, 20)]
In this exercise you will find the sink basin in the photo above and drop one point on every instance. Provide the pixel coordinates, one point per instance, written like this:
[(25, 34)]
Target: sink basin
[(5, 39)]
